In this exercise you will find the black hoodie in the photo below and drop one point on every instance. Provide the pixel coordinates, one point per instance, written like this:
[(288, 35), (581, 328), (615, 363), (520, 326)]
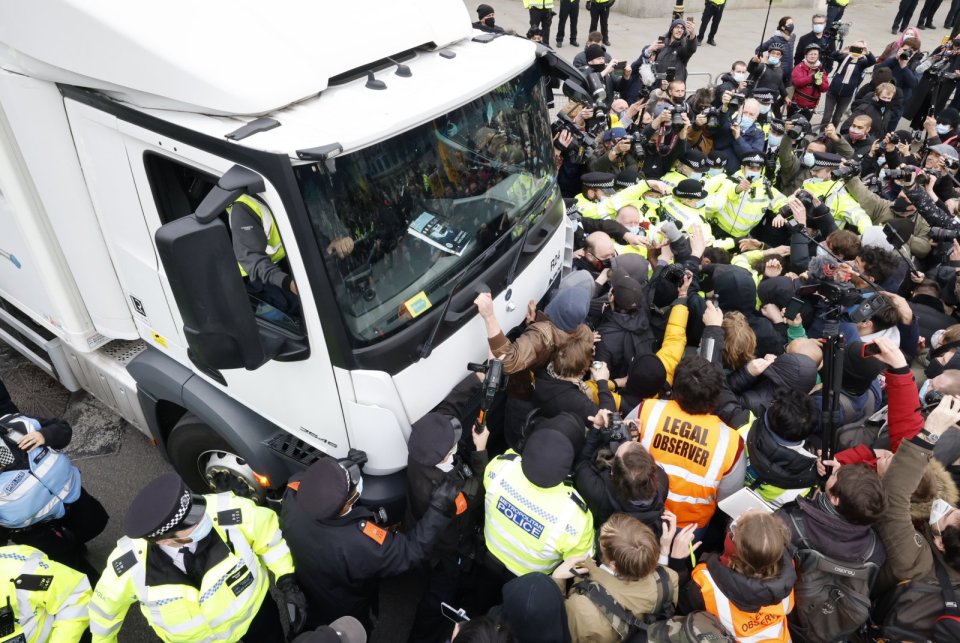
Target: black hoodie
[(736, 290), (623, 336), (534, 608), (788, 371)]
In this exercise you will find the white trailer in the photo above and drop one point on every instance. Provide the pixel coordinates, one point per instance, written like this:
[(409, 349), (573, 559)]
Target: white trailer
[(126, 128)]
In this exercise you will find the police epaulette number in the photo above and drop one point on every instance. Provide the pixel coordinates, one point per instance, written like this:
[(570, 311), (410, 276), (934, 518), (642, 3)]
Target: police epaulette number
[(577, 500), (229, 517), (33, 582), (124, 563)]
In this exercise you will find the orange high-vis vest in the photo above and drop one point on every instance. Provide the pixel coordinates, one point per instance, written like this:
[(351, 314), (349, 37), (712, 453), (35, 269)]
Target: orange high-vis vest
[(695, 451), (769, 624)]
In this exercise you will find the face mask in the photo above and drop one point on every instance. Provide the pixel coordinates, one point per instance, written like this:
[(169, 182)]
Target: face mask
[(746, 122), (446, 466), (701, 203), (815, 179), (652, 201), (765, 109), (773, 60), (924, 390), (774, 140), (605, 263), (751, 174), (490, 22), (202, 529), (714, 171), (634, 230), (942, 129), (696, 176), (788, 28), (819, 28), (598, 68), (939, 509), (821, 251), (933, 369), (856, 135), (808, 159), (740, 77)]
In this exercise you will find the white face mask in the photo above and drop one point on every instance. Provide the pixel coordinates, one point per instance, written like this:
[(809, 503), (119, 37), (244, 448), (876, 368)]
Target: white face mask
[(202, 529), (764, 109), (634, 229), (939, 509), (714, 171), (740, 76), (447, 464), (942, 129), (924, 390), (774, 140), (808, 159)]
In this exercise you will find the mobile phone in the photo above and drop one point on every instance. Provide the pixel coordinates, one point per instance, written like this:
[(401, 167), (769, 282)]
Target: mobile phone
[(856, 50), (661, 39), (870, 349), (794, 306), (620, 64), (454, 614)]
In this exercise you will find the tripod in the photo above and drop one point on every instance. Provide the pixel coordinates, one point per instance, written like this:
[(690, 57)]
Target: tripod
[(833, 354), (766, 21)]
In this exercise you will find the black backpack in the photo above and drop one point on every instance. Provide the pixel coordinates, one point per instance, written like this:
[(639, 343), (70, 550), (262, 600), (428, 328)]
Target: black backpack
[(695, 627), (921, 610), (832, 597)]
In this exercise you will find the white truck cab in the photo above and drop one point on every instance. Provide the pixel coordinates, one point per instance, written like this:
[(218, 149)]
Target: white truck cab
[(127, 129)]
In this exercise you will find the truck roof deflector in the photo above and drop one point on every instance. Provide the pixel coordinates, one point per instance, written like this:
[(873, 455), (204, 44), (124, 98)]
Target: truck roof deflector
[(236, 181), (262, 124)]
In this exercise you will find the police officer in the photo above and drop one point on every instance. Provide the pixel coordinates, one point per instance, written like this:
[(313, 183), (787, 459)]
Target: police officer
[(42, 502), (198, 566), (745, 199), (834, 194), (691, 165), (534, 517), (688, 206), (597, 186), (42, 600), (339, 549)]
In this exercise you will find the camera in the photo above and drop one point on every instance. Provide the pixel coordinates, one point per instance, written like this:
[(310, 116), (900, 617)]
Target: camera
[(581, 145), (944, 234), (904, 55), (712, 114), (674, 274), (615, 433), (845, 171), (639, 145), (736, 100), (799, 127), (900, 174), (596, 87), (839, 294), (932, 398)]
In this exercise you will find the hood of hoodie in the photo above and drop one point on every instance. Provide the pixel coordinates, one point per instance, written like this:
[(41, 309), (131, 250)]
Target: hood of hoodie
[(777, 290), (533, 607), (833, 535), (735, 288), (776, 464), (678, 21), (936, 483), (753, 594), (792, 370)]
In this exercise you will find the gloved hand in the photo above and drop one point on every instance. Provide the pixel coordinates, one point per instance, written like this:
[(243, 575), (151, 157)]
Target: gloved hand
[(295, 602), (443, 498)]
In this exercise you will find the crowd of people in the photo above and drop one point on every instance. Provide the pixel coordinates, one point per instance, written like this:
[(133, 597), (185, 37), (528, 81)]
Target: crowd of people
[(733, 418)]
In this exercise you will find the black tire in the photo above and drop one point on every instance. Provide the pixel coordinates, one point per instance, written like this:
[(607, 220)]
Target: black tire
[(189, 440)]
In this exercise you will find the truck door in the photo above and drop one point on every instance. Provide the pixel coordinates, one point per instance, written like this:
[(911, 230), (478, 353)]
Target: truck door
[(140, 180)]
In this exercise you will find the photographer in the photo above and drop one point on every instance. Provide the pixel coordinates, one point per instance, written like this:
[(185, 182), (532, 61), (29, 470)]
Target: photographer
[(901, 66), (667, 134), (674, 49), (745, 135), (765, 69), (809, 81), (943, 128), (794, 170), (915, 231), (597, 63), (734, 80), (616, 153), (853, 63), (918, 188), (940, 70)]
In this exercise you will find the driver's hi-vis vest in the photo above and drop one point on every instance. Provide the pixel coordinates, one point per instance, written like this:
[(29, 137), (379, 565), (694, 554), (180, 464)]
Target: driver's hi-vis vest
[(232, 588), (695, 451), (769, 624), (274, 248), (48, 601)]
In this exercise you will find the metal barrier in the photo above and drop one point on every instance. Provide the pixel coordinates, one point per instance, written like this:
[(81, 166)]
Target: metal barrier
[(691, 88)]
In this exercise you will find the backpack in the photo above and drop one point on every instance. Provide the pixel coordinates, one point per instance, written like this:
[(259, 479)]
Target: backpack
[(862, 427), (695, 627), (628, 625), (832, 596), (908, 611)]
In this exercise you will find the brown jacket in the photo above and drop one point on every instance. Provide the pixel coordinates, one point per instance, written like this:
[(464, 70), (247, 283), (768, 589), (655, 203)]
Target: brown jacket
[(880, 212), (909, 554), (533, 349), (587, 622)]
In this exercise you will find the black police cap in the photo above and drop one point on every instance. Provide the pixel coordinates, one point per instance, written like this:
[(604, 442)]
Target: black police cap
[(163, 506)]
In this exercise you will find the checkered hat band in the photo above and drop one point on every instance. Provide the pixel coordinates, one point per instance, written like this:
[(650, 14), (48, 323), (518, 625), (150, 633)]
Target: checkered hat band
[(595, 184), (185, 502), (819, 163)]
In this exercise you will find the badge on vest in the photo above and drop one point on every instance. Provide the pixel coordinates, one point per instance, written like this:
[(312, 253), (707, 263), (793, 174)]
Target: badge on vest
[(124, 563), (41, 454), (230, 517), (240, 579), (33, 582)]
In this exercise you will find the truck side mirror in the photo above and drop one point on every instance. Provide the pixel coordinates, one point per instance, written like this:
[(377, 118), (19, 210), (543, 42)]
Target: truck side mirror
[(236, 181), (218, 322)]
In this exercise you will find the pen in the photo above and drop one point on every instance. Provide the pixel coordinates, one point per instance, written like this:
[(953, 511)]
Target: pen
[(693, 559)]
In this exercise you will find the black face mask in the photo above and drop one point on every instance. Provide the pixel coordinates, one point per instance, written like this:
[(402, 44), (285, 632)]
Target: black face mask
[(933, 369), (490, 22), (787, 28), (900, 205), (603, 264), (678, 100)]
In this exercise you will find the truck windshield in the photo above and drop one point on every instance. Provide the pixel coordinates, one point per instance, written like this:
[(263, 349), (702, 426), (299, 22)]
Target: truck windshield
[(399, 220)]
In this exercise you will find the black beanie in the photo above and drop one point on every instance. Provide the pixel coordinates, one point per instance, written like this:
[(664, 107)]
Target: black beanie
[(593, 51), (547, 458), (431, 439), (646, 377), (484, 10)]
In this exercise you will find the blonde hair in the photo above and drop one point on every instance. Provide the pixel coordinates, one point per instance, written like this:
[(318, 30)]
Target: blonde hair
[(630, 545), (759, 542), (739, 340), (574, 356)]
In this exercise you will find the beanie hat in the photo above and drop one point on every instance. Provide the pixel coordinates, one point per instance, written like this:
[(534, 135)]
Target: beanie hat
[(569, 308), (323, 488), (484, 10), (593, 51), (646, 377), (547, 458), (431, 439), (634, 265)]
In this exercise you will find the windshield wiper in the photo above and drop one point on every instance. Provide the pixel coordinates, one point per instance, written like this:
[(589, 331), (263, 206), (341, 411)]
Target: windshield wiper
[(427, 347)]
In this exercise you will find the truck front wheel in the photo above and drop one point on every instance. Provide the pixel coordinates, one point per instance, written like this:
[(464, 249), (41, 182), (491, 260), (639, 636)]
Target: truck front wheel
[(207, 463)]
